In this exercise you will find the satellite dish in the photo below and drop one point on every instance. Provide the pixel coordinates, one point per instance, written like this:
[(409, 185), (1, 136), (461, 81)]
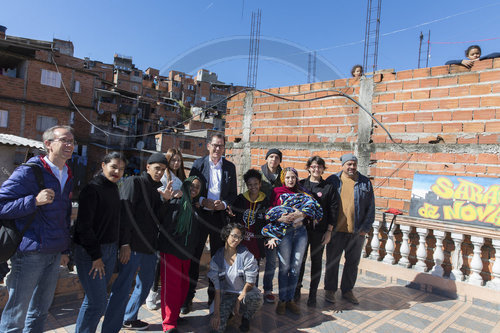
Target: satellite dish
[(140, 145), (100, 111)]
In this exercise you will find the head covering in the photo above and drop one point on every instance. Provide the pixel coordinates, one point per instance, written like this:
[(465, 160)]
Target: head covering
[(297, 188), (157, 158), (185, 217), (274, 151), (348, 157)]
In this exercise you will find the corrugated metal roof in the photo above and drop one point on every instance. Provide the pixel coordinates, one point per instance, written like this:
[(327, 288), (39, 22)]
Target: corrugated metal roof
[(15, 140)]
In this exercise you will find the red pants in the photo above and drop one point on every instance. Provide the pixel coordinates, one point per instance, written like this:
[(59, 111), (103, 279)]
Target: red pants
[(174, 288)]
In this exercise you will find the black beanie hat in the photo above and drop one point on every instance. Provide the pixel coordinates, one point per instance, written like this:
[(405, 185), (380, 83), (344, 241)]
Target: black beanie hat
[(274, 151), (157, 158)]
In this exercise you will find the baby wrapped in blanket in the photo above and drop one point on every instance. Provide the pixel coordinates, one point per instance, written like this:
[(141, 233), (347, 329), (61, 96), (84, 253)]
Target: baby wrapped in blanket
[(302, 202)]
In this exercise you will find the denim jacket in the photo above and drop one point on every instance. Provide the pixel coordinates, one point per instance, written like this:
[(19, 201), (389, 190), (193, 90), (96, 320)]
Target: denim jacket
[(364, 200)]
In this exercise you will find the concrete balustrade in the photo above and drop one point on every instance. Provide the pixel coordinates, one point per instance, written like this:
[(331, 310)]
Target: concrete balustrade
[(449, 251)]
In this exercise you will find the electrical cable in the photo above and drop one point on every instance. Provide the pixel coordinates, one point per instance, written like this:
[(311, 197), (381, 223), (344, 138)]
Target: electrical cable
[(467, 41), (107, 133), (338, 93)]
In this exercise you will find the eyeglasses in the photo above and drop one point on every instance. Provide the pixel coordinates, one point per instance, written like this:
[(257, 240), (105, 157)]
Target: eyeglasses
[(237, 237), (217, 146), (65, 141)]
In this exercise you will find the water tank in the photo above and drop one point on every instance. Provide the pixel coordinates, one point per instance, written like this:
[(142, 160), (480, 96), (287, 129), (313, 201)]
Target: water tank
[(3, 29)]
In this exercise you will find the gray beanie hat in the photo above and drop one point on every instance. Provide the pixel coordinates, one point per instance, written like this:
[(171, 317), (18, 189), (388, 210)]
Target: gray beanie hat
[(348, 157)]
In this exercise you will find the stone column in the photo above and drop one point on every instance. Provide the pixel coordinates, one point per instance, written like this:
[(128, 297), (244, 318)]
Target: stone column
[(421, 250), (405, 246)]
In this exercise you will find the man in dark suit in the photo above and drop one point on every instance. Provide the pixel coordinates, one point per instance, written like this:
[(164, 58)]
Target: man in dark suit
[(219, 191)]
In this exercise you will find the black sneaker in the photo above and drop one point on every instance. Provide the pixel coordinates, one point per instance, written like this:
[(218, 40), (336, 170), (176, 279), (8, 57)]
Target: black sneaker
[(137, 325), (186, 307), (245, 325)]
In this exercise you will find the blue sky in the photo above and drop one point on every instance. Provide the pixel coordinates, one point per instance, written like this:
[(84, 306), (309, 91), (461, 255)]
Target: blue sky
[(210, 34)]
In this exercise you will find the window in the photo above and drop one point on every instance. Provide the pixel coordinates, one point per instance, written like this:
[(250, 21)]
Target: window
[(4, 118), (190, 87), (77, 87), (203, 98), (189, 99), (50, 78), (185, 144), (177, 84), (44, 122)]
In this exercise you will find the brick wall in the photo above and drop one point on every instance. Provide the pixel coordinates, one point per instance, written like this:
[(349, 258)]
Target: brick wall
[(187, 144), (444, 120)]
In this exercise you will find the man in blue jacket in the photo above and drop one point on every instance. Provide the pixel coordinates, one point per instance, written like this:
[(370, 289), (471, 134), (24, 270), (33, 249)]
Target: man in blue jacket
[(354, 220), (35, 266)]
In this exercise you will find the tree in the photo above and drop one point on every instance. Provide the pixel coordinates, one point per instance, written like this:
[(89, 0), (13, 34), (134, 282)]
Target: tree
[(184, 110)]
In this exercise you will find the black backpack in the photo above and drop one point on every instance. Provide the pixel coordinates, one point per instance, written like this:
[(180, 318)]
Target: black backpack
[(10, 236)]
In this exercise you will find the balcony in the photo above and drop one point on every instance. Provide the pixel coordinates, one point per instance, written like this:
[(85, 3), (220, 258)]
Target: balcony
[(450, 259)]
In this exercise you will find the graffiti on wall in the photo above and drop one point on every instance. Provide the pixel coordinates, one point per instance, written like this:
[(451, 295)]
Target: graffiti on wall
[(471, 200)]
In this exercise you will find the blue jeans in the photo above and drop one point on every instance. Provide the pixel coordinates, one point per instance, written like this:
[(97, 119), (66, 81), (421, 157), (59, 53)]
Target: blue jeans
[(95, 301), (290, 253), (269, 269), (118, 309), (31, 284)]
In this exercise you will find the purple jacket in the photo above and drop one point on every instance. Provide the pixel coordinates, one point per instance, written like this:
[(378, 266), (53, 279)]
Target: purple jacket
[(49, 231)]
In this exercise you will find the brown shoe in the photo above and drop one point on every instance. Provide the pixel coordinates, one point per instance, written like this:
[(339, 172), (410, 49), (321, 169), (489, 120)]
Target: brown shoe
[(330, 296), (281, 308), (349, 296), (293, 307)]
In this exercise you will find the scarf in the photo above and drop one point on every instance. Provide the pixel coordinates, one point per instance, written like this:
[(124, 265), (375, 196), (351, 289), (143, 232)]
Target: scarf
[(185, 217), (270, 176)]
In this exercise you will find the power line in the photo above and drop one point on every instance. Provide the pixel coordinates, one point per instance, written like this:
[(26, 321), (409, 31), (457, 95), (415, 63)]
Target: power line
[(338, 93), (107, 133)]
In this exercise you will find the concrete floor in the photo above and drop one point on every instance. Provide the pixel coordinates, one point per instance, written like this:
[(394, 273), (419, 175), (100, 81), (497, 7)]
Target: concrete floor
[(383, 307)]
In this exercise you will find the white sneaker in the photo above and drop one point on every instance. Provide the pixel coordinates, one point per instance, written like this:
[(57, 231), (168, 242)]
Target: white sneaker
[(152, 301)]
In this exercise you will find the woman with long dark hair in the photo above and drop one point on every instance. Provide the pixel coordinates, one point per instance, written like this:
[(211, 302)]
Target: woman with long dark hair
[(176, 242), (292, 246), (96, 239)]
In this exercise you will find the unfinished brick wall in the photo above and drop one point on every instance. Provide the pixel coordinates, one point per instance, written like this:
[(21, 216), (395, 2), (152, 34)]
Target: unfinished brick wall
[(445, 120)]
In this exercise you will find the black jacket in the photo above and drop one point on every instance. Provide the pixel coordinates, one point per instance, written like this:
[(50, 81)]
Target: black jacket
[(228, 190), (98, 220), (176, 244), (141, 204), (326, 194)]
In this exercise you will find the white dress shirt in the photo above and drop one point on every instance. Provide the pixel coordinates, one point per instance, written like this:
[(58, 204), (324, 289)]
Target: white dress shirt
[(61, 174), (215, 182)]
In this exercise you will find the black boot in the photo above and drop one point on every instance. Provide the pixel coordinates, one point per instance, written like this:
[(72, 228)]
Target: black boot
[(311, 301)]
